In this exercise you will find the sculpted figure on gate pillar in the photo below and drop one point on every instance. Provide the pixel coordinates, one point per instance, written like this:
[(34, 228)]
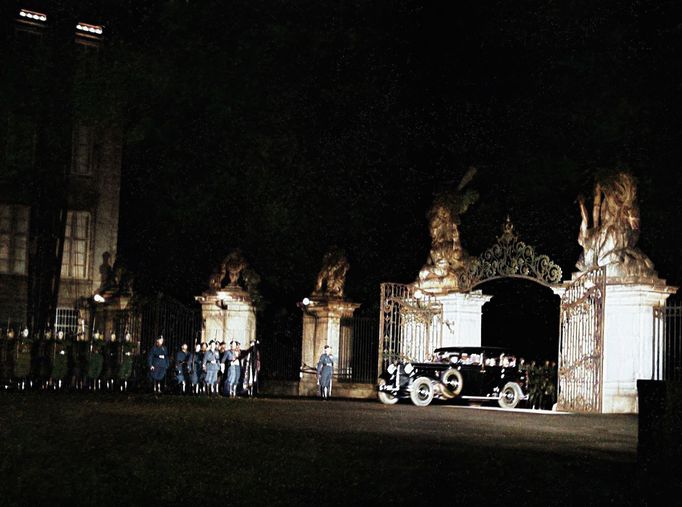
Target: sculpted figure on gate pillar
[(610, 240), (447, 258)]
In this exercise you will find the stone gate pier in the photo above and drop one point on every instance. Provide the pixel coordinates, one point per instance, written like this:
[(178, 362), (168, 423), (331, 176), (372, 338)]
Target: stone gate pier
[(228, 312), (628, 339)]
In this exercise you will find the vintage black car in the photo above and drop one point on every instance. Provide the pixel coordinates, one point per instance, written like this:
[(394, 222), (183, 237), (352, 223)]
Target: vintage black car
[(468, 373)]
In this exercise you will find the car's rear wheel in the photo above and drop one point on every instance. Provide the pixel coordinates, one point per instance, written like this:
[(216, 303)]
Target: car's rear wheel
[(385, 397), (452, 383), (421, 392), (510, 396)]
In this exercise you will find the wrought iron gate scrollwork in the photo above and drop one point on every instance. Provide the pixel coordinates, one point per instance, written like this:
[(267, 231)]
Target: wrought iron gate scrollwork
[(410, 326), (509, 257), (581, 343)]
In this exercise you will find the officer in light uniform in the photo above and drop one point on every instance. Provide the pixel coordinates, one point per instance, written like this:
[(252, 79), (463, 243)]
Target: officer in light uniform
[(211, 365), (325, 370)]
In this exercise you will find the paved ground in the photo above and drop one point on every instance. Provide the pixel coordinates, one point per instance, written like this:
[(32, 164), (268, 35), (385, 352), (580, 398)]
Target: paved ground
[(107, 449)]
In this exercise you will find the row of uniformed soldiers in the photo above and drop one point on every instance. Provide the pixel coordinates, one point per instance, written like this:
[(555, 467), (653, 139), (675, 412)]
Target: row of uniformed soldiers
[(57, 361), (203, 369)]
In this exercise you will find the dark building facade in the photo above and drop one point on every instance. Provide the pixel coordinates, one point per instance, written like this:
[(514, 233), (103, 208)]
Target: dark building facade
[(55, 161)]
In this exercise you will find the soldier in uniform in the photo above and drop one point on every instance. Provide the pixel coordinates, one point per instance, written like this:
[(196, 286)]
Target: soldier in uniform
[(22, 360), (181, 361), (202, 372), (157, 360), (533, 385), (194, 364), (125, 361), (222, 376), (4, 362), (95, 362), (231, 360), (211, 365), (59, 352), (43, 358), (325, 370), (111, 352)]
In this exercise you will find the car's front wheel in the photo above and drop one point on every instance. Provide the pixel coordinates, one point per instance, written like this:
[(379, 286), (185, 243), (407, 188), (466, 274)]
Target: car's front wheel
[(510, 396), (421, 392), (452, 383), (385, 397)]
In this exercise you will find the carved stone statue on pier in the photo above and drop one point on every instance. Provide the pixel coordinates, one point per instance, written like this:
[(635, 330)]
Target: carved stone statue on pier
[(611, 239), (332, 277), (215, 282), (234, 264), (447, 258)]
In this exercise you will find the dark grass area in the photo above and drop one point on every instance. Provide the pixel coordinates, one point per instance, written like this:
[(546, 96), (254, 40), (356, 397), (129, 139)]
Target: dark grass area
[(110, 449)]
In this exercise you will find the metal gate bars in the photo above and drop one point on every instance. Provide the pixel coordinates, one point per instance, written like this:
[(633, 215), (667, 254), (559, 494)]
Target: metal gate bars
[(581, 343)]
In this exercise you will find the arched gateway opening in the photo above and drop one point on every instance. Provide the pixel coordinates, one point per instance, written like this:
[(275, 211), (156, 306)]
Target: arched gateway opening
[(523, 316), (509, 296)]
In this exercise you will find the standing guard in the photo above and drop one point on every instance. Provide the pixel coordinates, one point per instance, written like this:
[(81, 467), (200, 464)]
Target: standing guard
[(158, 363), (231, 360), (95, 362), (111, 352), (6, 345), (211, 365), (79, 360), (181, 362), (125, 361), (325, 370), (22, 360), (43, 359), (194, 365), (250, 368), (59, 353)]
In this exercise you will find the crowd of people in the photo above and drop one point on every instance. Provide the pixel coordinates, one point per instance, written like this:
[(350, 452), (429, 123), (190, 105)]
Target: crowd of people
[(60, 362)]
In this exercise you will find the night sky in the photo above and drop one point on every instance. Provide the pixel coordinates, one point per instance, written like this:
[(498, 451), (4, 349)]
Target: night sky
[(285, 128)]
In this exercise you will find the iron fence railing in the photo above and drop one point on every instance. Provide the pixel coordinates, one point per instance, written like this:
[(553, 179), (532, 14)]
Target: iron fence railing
[(358, 349)]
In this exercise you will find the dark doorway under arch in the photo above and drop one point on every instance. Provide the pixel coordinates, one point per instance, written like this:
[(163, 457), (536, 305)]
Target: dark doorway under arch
[(522, 315)]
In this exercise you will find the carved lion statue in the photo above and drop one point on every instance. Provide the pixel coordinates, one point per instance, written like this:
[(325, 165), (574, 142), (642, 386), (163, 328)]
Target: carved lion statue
[(332, 277), (234, 264)]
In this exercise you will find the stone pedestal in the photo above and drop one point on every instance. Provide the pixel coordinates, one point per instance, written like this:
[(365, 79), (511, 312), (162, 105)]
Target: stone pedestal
[(628, 340), (462, 316), (228, 314), (322, 326)]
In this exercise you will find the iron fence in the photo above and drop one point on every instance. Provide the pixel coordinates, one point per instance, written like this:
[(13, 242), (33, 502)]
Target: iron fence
[(358, 349), (163, 315), (280, 361), (667, 346), (280, 348)]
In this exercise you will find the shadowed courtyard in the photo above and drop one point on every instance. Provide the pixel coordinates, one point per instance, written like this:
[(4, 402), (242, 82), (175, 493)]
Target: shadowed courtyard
[(114, 449)]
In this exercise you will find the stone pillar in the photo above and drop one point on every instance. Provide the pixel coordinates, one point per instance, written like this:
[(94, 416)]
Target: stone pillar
[(321, 326), (228, 314), (628, 340), (462, 316)]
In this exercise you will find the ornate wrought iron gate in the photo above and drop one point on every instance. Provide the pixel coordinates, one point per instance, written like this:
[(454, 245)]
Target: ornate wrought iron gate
[(581, 343), (410, 325)]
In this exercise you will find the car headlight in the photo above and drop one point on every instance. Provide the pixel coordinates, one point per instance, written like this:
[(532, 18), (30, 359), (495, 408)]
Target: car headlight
[(409, 368), (391, 369)]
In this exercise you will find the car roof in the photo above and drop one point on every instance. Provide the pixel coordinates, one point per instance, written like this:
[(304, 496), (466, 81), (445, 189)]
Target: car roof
[(475, 350)]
